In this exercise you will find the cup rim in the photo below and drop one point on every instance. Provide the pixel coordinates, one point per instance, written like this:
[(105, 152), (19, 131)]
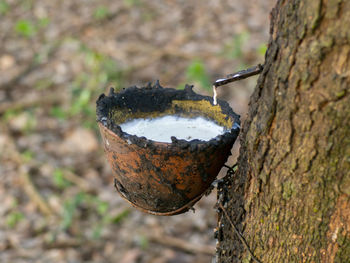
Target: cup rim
[(105, 103)]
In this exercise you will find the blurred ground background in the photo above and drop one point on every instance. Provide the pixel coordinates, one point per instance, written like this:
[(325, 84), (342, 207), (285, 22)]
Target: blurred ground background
[(57, 200)]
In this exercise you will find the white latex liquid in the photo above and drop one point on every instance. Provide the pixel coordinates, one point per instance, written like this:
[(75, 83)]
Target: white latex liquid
[(214, 96), (162, 128)]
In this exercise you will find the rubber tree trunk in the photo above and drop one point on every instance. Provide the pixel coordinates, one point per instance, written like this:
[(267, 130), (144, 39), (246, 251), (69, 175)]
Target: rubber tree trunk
[(290, 197)]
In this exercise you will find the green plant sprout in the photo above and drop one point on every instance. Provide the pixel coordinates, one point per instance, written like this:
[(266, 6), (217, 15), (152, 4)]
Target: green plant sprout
[(4, 7), (59, 180), (101, 12), (13, 218), (25, 28), (196, 72)]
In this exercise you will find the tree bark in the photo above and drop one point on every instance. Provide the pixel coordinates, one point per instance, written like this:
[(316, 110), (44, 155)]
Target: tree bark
[(290, 196)]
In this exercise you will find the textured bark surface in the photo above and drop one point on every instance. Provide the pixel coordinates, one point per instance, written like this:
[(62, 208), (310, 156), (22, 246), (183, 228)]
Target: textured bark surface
[(290, 197)]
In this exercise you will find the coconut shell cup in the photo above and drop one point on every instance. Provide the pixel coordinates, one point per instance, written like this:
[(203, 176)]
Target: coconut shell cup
[(156, 177)]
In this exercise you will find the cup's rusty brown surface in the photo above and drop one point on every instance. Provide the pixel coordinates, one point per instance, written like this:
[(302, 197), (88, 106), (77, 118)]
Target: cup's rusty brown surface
[(163, 178)]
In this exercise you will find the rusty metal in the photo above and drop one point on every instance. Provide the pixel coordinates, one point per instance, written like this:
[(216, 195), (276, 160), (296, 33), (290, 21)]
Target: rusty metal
[(243, 74), (163, 178)]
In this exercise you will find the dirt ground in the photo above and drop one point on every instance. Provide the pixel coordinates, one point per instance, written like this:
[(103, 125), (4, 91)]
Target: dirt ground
[(58, 203)]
